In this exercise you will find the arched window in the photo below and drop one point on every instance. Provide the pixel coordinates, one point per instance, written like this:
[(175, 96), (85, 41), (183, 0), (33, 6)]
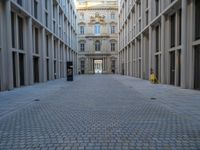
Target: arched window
[(97, 46), (97, 29)]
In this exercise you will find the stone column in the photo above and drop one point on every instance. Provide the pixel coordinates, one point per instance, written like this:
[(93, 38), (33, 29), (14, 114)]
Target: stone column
[(163, 73), (150, 49), (29, 51), (43, 55), (7, 75), (184, 45)]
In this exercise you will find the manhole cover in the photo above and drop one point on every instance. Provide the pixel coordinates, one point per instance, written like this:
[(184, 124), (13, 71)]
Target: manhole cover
[(153, 98), (36, 100)]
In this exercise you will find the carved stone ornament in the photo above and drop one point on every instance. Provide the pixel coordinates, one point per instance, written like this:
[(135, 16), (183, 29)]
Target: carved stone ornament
[(97, 19)]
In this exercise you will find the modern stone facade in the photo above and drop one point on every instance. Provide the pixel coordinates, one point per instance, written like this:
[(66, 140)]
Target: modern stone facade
[(163, 35), (97, 36), (37, 38)]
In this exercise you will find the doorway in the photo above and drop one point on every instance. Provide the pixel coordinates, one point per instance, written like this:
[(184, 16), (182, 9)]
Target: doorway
[(21, 69), (98, 69), (197, 68), (36, 69), (172, 68)]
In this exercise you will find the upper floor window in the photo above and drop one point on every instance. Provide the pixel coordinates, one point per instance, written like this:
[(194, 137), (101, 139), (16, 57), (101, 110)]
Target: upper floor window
[(112, 16), (35, 9), (82, 30), (197, 20), (97, 46), (112, 47), (112, 29), (157, 7), (46, 4), (82, 16), (82, 47), (97, 29), (19, 2)]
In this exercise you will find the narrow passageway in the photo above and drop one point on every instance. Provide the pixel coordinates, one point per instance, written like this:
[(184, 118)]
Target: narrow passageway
[(99, 112)]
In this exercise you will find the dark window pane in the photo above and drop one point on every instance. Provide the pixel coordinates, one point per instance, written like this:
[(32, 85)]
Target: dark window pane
[(20, 33), (197, 18), (173, 26)]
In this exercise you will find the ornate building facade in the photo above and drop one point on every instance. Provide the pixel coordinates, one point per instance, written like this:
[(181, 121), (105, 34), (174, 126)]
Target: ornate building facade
[(163, 35), (37, 38), (97, 36)]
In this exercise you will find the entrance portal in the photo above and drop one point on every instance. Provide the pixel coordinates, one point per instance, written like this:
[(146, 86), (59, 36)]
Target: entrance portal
[(98, 66), (197, 68)]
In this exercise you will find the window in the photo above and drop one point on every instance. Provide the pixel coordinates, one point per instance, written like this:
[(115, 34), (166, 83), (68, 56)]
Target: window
[(81, 30), (97, 46), (20, 33), (173, 26), (157, 39), (147, 3), (147, 18), (180, 26), (82, 47), (36, 41), (46, 4), (35, 9), (46, 19), (157, 7), (112, 16), (112, 46), (13, 29), (47, 45), (197, 20), (19, 2), (82, 16), (97, 29), (112, 29)]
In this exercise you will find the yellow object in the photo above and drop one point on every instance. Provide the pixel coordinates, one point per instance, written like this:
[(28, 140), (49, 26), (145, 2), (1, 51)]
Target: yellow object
[(153, 78)]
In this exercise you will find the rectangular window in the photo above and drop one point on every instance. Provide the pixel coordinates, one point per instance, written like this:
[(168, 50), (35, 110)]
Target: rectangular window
[(157, 7), (20, 33), (197, 19), (46, 19), (97, 29), (46, 4), (147, 3), (112, 16), (147, 18), (112, 47), (47, 46), (36, 41), (157, 39), (13, 29), (112, 29), (55, 49), (180, 26), (19, 2), (35, 9), (81, 30), (82, 47), (173, 28)]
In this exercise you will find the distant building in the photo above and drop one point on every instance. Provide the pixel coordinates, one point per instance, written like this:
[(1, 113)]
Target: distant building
[(97, 36), (37, 38), (163, 35)]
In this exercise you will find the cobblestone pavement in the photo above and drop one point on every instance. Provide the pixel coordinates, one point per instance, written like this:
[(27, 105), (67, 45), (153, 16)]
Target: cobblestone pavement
[(100, 112)]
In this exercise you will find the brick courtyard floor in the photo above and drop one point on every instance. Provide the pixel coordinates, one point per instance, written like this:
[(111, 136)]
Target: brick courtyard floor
[(100, 112)]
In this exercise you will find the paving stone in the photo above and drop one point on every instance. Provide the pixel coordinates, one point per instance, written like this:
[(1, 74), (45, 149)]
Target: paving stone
[(100, 112)]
